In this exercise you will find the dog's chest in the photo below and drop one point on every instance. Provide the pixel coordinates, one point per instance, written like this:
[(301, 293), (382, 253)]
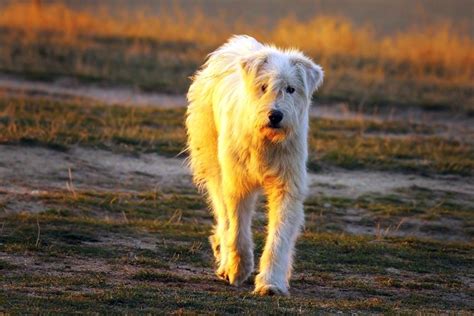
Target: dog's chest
[(263, 160)]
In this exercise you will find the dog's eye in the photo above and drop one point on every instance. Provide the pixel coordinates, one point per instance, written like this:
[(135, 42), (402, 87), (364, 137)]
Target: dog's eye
[(263, 88), (290, 89)]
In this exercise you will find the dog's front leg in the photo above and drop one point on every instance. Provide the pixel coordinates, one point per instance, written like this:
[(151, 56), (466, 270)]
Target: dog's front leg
[(285, 219), (239, 244)]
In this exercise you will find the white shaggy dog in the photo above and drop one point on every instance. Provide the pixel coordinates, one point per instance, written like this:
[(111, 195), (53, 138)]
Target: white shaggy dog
[(247, 125)]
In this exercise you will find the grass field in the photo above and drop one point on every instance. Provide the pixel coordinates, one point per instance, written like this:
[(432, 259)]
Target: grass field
[(98, 213), (73, 257), (98, 242)]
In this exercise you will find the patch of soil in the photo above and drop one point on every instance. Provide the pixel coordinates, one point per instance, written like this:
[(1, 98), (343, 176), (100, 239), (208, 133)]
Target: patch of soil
[(29, 169), (26, 170), (68, 88), (354, 183), (441, 229)]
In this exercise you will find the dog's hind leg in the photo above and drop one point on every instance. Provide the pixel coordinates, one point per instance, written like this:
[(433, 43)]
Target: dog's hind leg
[(217, 239), (202, 146)]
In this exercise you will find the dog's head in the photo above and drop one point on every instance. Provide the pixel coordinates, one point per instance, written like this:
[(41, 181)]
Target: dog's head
[(279, 85)]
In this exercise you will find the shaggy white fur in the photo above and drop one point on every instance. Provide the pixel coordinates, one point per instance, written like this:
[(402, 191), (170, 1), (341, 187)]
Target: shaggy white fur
[(247, 125)]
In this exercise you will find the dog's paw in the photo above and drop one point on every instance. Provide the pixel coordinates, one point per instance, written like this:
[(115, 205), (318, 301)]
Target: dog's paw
[(240, 267), (222, 273), (240, 275), (236, 270), (270, 290), (266, 285)]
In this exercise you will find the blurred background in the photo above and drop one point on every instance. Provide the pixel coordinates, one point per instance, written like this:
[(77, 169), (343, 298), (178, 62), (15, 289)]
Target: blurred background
[(412, 53)]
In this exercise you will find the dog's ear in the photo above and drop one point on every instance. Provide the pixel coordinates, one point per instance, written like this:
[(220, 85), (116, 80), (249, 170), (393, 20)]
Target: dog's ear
[(311, 73), (252, 64)]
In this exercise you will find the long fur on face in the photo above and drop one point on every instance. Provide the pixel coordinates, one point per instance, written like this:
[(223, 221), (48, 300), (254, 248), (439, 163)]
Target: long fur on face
[(235, 151)]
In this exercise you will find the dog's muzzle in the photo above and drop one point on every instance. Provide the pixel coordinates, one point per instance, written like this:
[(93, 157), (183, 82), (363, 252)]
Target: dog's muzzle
[(275, 118)]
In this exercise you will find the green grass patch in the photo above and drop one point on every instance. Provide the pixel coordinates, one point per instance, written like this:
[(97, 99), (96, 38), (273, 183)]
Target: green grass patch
[(410, 211), (340, 253), (170, 207), (89, 258)]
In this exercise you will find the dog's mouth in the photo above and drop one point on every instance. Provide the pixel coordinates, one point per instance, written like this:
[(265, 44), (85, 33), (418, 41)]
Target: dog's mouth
[(274, 132), (274, 126)]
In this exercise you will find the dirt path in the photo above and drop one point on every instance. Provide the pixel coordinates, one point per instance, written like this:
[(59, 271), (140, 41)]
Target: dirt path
[(24, 168), (71, 89)]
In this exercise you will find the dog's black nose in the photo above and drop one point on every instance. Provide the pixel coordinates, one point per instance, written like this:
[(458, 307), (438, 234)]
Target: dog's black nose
[(275, 117)]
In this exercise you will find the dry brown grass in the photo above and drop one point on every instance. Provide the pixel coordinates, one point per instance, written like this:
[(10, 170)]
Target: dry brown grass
[(426, 50), (72, 24), (360, 65), (437, 45)]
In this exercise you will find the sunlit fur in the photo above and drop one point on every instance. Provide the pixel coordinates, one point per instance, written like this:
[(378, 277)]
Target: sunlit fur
[(234, 154)]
